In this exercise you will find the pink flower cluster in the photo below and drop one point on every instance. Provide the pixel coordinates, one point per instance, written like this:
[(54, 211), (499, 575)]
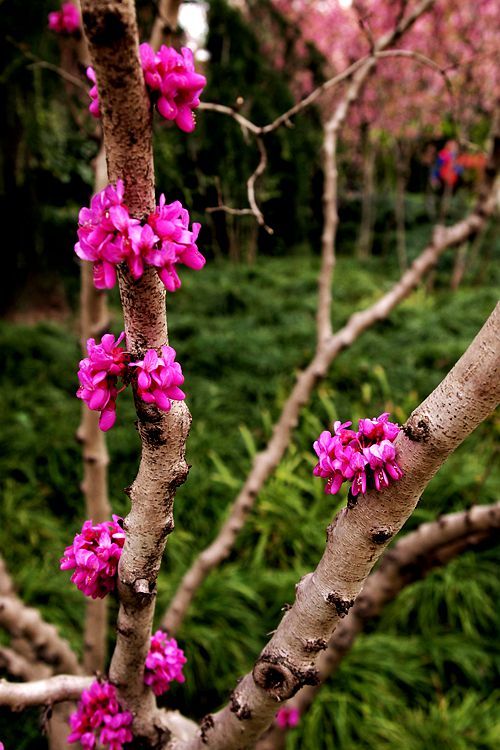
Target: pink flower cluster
[(66, 20), (99, 718), (172, 82), (287, 718), (366, 458), (164, 663), (98, 376), (94, 556), (107, 236), (158, 378)]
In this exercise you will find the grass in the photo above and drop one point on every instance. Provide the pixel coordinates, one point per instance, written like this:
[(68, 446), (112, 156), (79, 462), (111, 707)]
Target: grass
[(428, 668)]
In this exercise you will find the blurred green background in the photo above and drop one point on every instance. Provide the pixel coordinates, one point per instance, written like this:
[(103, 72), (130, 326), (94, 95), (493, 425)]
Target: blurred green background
[(427, 671)]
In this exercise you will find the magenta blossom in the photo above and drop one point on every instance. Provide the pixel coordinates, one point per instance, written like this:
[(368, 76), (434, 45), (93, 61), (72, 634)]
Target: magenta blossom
[(93, 93), (158, 378), (287, 718), (99, 718), (164, 663), (379, 428), (108, 236), (66, 20), (382, 460), (172, 80), (170, 222), (94, 556), (103, 234), (366, 458), (98, 376)]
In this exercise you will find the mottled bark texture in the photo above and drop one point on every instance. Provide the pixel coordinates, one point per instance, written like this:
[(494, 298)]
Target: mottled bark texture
[(355, 540), (418, 553), (110, 27)]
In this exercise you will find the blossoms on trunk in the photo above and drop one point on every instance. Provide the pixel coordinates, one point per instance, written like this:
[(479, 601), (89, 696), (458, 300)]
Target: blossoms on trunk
[(171, 80), (158, 378), (366, 458), (108, 236)]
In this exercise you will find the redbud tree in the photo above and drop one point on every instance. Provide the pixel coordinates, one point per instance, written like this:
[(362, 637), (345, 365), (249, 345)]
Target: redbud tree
[(129, 237)]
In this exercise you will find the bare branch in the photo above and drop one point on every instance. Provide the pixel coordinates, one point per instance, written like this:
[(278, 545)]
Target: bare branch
[(44, 641), (63, 687), (355, 540), (412, 558), (19, 666)]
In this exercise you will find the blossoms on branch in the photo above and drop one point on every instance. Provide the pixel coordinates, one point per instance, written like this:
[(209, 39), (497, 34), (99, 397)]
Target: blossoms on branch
[(158, 378), (287, 718), (108, 236), (366, 458), (171, 81), (66, 20), (164, 663), (99, 718), (94, 556)]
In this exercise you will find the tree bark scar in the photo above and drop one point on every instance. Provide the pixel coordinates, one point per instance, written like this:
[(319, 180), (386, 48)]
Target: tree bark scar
[(315, 644), (418, 431), (206, 724), (281, 679), (241, 710), (381, 535), (104, 29), (341, 605)]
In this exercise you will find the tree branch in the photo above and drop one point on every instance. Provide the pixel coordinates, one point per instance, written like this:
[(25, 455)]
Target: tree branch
[(266, 460), (63, 687), (355, 540), (110, 27), (42, 639), (410, 559)]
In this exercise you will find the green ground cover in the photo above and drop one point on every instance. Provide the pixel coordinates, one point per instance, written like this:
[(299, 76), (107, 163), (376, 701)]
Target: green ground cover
[(426, 672)]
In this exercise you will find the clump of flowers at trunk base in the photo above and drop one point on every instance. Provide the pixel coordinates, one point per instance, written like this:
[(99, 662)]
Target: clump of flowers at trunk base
[(94, 556), (100, 718), (287, 718), (366, 458), (66, 20), (108, 236), (164, 663)]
